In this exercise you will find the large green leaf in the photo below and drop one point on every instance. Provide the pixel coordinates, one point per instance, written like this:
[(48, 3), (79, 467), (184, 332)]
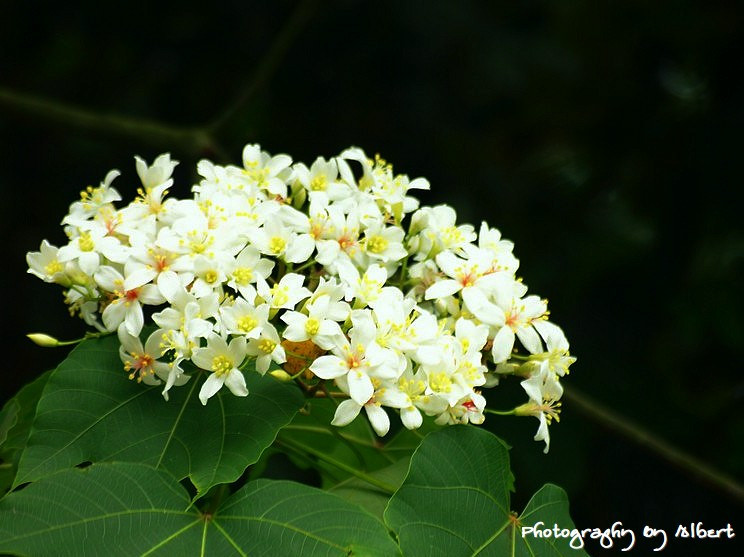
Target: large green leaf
[(372, 498), (15, 423), (91, 411), (455, 501), (355, 445), (134, 509)]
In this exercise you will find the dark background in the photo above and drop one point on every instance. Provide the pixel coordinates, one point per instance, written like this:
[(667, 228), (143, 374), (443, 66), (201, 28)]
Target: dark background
[(603, 138)]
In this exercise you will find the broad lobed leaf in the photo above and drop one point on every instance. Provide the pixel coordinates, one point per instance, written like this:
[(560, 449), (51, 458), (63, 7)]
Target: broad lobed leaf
[(455, 501), (134, 509), (90, 411), (15, 424)]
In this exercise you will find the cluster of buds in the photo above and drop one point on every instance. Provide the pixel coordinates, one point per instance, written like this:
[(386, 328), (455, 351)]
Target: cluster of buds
[(331, 275)]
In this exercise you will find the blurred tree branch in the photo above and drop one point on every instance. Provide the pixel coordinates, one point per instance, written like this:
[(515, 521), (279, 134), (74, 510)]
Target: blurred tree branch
[(682, 460), (269, 64), (190, 139), (194, 140)]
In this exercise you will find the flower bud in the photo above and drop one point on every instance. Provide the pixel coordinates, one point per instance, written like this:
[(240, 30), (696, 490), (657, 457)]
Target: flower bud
[(43, 340), (281, 375)]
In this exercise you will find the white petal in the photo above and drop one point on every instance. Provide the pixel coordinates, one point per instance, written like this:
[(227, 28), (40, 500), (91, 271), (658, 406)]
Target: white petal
[(134, 319), (530, 339), (442, 288), (300, 249), (329, 367), (89, 262), (169, 285), (150, 294), (107, 277), (113, 315), (378, 418), (345, 413), (236, 383), (210, 387), (202, 357), (138, 278), (411, 417), (360, 386), (482, 308), (503, 343)]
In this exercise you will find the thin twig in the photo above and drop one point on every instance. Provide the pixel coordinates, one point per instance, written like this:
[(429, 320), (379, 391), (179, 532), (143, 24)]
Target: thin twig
[(269, 63), (193, 140), (637, 434)]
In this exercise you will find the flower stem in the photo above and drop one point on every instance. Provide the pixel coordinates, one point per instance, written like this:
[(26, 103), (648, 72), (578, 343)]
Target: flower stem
[(386, 487), (499, 412)]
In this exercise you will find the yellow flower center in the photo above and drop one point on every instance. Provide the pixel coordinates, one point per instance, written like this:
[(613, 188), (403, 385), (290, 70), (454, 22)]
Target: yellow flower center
[(311, 326), (247, 323), (277, 245), (221, 364), (319, 183), (440, 382), (243, 275), (210, 276), (377, 244), (86, 242), (279, 295), (199, 241), (266, 346), (53, 267)]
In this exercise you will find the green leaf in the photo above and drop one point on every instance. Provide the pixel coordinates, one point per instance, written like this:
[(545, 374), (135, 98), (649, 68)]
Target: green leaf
[(370, 497), (91, 411), (15, 423), (8, 418), (455, 501), (356, 444), (133, 509)]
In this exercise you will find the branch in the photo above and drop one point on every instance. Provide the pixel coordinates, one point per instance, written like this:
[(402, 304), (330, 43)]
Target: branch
[(196, 140), (645, 438), (193, 140), (269, 63)]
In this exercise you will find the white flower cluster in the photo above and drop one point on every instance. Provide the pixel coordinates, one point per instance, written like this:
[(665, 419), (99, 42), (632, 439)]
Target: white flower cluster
[(276, 264)]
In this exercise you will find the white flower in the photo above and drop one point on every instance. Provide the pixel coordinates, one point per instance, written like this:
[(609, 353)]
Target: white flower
[(223, 361), (45, 265), (519, 317), (435, 230), (557, 358), (278, 240), (469, 277), (316, 326), (157, 174), (359, 358), (142, 362), (384, 243), (365, 289), (208, 276), (87, 247), (322, 177), (469, 409), (266, 348), (490, 239), (241, 318), (246, 270), (286, 293), (92, 200), (129, 295), (267, 172), (544, 392)]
